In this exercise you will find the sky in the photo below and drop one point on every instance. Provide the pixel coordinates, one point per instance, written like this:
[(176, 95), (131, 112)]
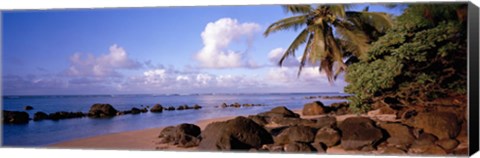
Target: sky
[(164, 50)]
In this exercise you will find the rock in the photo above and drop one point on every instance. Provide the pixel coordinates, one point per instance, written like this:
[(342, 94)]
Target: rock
[(319, 147), (340, 108), (398, 134), (393, 151), (157, 108), (387, 110), (28, 107), (314, 108), (272, 147), (424, 139), (328, 136), (260, 120), (135, 111), (326, 121), (298, 147), (236, 105), (65, 115), (444, 125), (102, 110), (182, 107), (38, 116), (189, 129), (183, 135), (224, 105), (239, 133), (167, 134), (15, 117), (291, 134), (280, 111), (447, 144), (143, 110), (359, 132), (427, 150), (290, 121), (170, 108), (196, 107), (247, 105)]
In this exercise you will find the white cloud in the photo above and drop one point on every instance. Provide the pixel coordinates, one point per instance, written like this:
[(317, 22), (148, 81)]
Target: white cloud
[(217, 37), (276, 54), (106, 65)]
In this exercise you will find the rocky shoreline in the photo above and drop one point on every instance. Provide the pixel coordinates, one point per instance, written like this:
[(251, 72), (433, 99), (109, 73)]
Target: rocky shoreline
[(319, 129)]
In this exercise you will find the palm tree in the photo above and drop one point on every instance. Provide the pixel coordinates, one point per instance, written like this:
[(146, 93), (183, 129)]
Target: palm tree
[(330, 33)]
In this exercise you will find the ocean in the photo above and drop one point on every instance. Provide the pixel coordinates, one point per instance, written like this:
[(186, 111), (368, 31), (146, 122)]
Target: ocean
[(41, 133)]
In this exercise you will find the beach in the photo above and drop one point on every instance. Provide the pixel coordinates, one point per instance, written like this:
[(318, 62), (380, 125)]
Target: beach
[(145, 139)]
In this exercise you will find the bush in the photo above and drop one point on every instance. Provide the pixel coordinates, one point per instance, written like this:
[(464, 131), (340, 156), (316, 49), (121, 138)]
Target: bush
[(421, 58)]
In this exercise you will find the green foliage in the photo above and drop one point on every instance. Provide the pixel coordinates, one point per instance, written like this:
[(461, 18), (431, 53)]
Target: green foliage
[(422, 57)]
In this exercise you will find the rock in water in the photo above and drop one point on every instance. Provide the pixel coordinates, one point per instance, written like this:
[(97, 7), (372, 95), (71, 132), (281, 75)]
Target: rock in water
[(303, 134), (444, 125), (28, 107), (399, 134), (327, 136), (359, 132), (15, 117), (135, 111), (239, 133), (314, 108), (102, 110), (157, 108), (38, 116)]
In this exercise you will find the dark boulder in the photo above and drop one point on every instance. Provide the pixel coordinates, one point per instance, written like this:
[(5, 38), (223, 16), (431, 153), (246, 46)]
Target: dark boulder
[(291, 134), (340, 108), (65, 115), (314, 108), (15, 117), (260, 120), (183, 135), (447, 144), (167, 134), (326, 121), (28, 107), (290, 121), (239, 133), (38, 116), (157, 108), (182, 107), (319, 147), (358, 133), (399, 135), (135, 111), (328, 136), (170, 108), (189, 129), (224, 105), (102, 110), (441, 124)]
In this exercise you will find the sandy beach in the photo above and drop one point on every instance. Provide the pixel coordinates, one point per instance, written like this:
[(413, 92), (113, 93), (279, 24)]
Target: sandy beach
[(145, 139)]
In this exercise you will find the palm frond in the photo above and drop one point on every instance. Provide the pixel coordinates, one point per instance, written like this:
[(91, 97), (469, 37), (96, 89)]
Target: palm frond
[(294, 22), (305, 54), (298, 9), (299, 40), (338, 10), (380, 21), (354, 40)]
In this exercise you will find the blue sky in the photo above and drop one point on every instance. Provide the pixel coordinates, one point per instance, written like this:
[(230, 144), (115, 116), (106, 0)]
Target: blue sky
[(152, 50)]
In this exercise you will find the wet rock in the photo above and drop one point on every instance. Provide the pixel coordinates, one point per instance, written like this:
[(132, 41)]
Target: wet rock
[(65, 115), (157, 108), (15, 117), (135, 111), (447, 144), (298, 147), (143, 110), (182, 107), (224, 105), (239, 133), (359, 132), (28, 107), (399, 134), (291, 134), (236, 105), (196, 107), (441, 124), (102, 110), (38, 116), (328, 136), (314, 108), (170, 108)]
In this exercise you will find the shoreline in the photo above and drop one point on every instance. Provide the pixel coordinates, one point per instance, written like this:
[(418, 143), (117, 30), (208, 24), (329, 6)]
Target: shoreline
[(143, 139)]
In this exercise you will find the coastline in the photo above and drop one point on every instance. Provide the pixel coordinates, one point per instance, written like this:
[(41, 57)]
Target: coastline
[(144, 139)]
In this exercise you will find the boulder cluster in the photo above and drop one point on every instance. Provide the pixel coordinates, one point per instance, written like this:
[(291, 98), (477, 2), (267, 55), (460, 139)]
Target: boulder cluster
[(282, 130)]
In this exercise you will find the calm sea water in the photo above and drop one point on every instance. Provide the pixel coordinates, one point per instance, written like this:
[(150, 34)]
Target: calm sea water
[(49, 132)]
